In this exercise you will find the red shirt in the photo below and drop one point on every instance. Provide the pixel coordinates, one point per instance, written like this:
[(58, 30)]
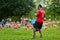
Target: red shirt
[(40, 17)]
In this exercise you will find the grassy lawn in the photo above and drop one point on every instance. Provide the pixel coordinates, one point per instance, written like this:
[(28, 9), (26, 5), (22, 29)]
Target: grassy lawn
[(23, 34)]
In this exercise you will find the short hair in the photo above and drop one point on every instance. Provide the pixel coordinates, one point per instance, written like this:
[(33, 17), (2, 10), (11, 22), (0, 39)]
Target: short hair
[(40, 5)]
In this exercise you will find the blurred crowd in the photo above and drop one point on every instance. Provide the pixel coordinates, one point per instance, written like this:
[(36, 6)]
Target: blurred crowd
[(9, 23), (27, 22)]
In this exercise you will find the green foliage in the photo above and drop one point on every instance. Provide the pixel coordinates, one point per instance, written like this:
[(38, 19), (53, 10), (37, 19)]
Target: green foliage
[(15, 7), (31, 14), (15, 18), (54, 9)]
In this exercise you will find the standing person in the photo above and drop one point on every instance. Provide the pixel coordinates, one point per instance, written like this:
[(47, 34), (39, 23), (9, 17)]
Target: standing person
[(39, 21), (33, 21)]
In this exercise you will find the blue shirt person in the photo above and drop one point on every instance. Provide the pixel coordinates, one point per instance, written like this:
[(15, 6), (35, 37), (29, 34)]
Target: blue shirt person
[(33, 21)]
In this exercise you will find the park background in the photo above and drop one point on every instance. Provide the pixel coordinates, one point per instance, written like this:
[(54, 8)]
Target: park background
[(16, 9)]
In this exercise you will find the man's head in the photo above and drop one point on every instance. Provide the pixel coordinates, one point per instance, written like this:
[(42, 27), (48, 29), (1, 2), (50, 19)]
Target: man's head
[(40, 6)]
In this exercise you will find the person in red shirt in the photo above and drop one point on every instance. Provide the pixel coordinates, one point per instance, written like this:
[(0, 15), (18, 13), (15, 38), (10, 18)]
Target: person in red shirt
[(39, 21)]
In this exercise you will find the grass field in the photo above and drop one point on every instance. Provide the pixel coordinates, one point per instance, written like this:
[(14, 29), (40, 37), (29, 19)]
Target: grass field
[(23, 34)]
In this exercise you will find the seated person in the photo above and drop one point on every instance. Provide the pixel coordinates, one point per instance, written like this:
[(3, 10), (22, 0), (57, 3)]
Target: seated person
[(28, 26), (7, 24), (13, 25), (18, 24)]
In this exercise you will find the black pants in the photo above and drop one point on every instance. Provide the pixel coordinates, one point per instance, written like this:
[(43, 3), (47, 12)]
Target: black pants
[(38, 25)]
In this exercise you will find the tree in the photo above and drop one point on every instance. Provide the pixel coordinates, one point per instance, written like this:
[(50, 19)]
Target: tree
[(15, 7), (54, 8)]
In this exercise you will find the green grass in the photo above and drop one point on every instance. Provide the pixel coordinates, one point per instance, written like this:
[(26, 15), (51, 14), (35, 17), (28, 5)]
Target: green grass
[(23, 34)]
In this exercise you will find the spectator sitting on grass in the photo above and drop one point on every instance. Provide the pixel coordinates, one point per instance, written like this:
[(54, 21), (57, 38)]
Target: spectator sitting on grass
[(28, 26), (13, 25), (7, 24), (9, 19), (18, 24)]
